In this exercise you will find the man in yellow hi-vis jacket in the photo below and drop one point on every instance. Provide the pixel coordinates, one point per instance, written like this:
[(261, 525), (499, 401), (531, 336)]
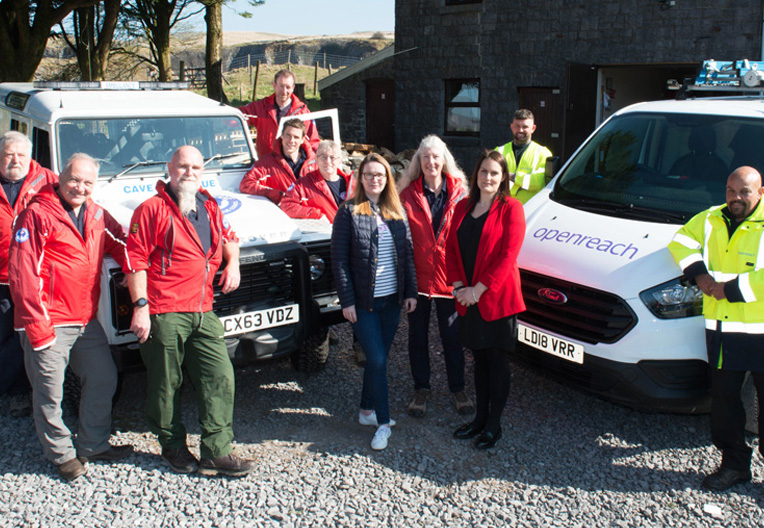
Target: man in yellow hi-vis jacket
[(526, 159), (722, 249)]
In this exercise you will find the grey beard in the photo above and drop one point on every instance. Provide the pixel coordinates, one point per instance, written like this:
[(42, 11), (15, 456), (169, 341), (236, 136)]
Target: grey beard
[(187, 196)]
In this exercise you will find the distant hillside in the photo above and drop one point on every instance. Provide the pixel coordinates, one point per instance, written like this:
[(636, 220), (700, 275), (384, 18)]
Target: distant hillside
[(304, 50)]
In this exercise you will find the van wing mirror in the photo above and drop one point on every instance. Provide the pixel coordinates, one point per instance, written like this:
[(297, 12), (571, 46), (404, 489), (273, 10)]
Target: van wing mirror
[(551, 167)]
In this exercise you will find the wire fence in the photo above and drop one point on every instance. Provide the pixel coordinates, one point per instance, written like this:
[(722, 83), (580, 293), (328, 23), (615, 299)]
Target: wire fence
[(301, 57)]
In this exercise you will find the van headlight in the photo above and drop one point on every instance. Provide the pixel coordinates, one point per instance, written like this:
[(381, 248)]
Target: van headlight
[(674, 299), (317, 267)]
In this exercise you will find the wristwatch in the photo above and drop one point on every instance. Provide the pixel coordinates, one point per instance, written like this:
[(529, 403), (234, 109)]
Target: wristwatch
[(140, 303)]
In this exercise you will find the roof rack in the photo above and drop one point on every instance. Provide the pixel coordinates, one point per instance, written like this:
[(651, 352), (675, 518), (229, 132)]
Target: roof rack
[(741, 76), (110, 85)]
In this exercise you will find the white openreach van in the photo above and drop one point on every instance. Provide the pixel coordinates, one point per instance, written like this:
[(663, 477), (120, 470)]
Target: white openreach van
[(608, 308)]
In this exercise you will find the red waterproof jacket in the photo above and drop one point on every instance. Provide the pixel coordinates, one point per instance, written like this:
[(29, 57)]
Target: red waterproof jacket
[(496, 263), (54, 272), (271, 175), (37, 178), (264, 120), (311, 197), (430, 247), (164, 243)]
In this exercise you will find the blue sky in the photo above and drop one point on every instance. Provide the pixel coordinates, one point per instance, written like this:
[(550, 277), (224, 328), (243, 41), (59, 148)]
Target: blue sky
[(311, 17)]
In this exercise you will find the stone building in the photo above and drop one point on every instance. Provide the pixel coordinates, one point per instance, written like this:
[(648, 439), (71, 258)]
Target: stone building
[(364, 97), (462, 67)]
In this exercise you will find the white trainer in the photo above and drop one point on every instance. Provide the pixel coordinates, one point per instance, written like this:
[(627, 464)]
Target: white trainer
[(379, 442), (371, 419)]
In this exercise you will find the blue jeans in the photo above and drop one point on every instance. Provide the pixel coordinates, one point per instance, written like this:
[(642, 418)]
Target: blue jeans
[(375, 330), (419, 348)]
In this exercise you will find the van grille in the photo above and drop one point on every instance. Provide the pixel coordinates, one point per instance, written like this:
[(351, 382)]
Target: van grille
[(589, 315), (263, 284)]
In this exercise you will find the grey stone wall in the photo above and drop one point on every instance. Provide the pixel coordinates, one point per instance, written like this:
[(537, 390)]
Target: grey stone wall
[(508, 44), (349, 97)]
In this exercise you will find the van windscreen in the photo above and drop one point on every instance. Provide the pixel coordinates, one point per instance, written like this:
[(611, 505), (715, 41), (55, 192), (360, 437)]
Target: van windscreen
[(660, 167)]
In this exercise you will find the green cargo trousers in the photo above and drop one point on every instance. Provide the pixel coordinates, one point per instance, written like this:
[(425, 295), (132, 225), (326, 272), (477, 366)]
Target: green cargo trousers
[(196, 341)]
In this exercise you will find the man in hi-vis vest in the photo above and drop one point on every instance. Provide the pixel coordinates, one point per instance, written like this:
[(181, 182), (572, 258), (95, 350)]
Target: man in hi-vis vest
[(722, 250), (526, 159)]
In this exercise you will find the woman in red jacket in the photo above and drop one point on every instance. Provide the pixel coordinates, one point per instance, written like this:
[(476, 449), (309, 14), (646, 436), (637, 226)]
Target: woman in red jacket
[(481, 258), (432, 186)]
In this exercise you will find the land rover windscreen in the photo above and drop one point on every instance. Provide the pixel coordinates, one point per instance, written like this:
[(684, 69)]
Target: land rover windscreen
[(144, 145)]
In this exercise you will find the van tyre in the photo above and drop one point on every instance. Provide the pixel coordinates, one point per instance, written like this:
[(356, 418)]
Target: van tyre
[(312, 355), (72, 392)]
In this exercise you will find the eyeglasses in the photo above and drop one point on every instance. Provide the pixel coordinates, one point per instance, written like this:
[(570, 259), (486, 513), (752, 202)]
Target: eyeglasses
[(329, 158), (378, 176)]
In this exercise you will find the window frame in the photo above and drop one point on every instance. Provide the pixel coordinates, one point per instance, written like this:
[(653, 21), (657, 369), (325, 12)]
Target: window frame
[(449, 105)]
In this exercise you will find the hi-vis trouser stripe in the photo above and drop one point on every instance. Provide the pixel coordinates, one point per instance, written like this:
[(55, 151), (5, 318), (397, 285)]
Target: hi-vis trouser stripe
[(735, 327)]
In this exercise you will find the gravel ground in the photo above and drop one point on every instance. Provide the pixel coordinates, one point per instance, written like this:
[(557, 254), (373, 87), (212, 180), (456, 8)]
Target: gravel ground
[(566, 459)]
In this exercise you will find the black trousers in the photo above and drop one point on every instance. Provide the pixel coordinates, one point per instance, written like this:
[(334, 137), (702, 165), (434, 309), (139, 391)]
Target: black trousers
[(728, 417), (491, 387), (13, 376)]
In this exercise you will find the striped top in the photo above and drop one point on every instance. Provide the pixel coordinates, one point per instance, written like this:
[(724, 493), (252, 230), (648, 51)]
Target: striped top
[(386, 280)]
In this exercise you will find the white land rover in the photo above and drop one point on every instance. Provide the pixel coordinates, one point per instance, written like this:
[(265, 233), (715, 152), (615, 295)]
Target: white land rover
[(286, 300)]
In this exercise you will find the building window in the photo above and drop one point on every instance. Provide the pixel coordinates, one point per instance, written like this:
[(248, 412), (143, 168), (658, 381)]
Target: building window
[(463, 107), (460, 2)]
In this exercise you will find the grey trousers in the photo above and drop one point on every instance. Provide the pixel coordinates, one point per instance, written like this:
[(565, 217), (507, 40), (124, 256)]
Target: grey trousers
[(87, 352)]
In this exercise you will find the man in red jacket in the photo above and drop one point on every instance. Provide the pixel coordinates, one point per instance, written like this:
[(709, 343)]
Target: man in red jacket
[(178, 240), (274, 173), (54, 266), (21, 177), (321, 191), (265, 114)]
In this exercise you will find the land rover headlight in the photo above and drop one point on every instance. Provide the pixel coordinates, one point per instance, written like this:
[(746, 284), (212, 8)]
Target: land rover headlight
[(674, 299), (317, 267)]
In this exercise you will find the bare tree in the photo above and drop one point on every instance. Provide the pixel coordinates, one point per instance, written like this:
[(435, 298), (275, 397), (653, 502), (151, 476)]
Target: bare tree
[(213, 16), (154, 20), (24, 31), (92, 33)]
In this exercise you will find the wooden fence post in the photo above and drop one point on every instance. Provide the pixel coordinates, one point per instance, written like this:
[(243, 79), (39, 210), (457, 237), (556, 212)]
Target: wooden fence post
[(315, 80), (257, 76)]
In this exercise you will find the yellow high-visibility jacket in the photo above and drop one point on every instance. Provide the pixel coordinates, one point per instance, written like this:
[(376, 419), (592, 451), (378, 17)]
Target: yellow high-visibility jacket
[(704, 245), (529, 173)]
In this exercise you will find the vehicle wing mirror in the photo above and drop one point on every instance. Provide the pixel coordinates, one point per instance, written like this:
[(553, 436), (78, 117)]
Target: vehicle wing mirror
[(551, 167)]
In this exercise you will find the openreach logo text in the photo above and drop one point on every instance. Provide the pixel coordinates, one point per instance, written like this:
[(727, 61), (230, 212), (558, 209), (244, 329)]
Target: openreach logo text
[(594, 243)]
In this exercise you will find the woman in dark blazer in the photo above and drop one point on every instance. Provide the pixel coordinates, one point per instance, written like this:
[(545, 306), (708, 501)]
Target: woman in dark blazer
[(481, 261), (373, 264)]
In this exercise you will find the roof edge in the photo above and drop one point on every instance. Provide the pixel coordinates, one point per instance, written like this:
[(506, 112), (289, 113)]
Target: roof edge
[(360, 66)]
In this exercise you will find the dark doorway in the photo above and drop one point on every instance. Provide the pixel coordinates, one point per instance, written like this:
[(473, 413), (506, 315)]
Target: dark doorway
[(581, 106), (546, 105), (380, 113)]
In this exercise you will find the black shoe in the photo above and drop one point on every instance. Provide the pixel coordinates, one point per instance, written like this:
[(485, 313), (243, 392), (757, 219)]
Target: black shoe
[(467, 431), (229, 465), (180, 460), (725, 478), (71, 469), (487, 440), (112, 454)]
